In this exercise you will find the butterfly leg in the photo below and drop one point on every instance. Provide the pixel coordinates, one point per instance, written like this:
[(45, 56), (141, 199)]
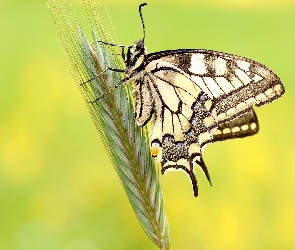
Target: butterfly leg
[(111, 89), (112, 69)]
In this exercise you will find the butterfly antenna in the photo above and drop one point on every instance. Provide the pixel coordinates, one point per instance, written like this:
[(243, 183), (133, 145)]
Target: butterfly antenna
[(140, 7)]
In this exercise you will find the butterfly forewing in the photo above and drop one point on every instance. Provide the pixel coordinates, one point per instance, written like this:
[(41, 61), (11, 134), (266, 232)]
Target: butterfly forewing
[(234, 83)]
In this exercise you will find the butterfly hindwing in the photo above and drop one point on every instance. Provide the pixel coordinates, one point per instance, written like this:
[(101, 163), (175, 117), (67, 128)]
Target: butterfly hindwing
[(189, 153), (143, 103)]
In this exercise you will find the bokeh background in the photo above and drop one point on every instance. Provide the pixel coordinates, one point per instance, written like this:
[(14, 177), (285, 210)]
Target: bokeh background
[(58, 189)]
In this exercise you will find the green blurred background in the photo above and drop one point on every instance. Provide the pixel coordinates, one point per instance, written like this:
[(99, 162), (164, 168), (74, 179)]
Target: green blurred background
[(58, 189)]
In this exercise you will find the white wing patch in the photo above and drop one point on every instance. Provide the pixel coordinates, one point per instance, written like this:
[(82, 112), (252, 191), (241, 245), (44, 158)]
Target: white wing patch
[(184, 83), (186, 97), (243, 65), (167, 122), (187, 111), (220, 66), (168, 94), (224, 84), (236, 82), (200, 82), (213, 87), (245, 79), (197, 64), (257, 78), (178, 132)]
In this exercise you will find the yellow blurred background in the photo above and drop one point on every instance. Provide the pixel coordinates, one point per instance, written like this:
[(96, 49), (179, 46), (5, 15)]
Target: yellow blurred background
[(58, 189)]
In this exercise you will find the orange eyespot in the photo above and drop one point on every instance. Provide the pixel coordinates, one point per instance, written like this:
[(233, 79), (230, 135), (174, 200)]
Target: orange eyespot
[(155, 150)]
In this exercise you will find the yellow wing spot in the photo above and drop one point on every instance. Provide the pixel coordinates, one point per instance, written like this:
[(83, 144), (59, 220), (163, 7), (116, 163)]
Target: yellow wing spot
[(269, 93), (241, 106), (217, 132), (261, 97), (231, 111), (253, 126), (278, 88), (194, 148), (183, 162), (245, 127), (178, 132), (221, 116), (167, 126), (209, 121), (184, 82), (251, 101), (226, 131), (235, 129), (208, 105), (204, 137)]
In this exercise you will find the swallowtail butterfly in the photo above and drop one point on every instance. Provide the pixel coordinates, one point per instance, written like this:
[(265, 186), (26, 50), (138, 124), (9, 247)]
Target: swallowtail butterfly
[(196, 97)]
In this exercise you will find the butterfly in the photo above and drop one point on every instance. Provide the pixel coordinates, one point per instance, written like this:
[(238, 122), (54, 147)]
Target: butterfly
[(194, 97)]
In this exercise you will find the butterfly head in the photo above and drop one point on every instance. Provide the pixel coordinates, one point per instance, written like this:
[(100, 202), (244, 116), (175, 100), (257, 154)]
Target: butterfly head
[(136, 56)]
